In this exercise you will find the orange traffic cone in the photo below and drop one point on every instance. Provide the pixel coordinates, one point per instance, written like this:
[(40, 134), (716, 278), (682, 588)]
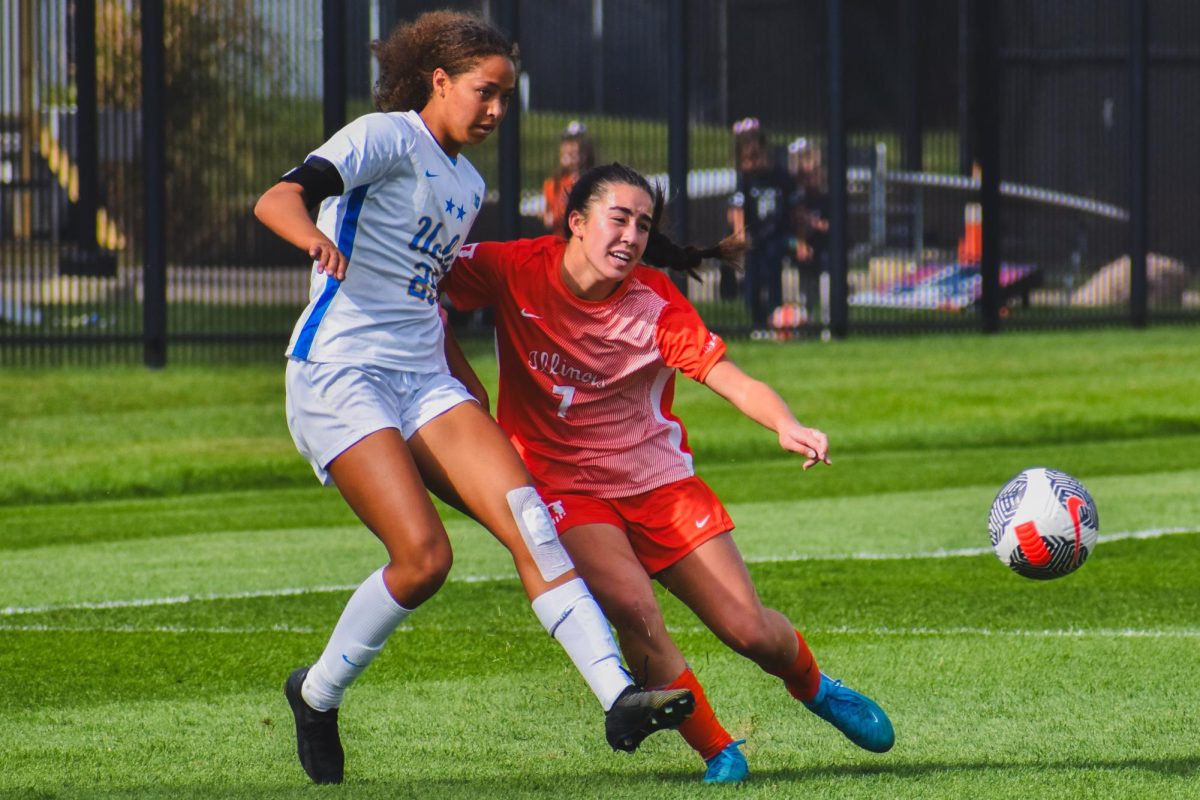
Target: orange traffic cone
[(970, 246)]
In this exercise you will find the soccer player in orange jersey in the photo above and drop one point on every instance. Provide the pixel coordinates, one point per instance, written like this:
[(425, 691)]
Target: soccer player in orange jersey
[(589, 340)]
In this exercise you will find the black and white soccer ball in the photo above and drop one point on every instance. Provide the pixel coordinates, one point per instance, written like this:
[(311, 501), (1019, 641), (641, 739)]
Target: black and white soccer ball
[(1043, 523)]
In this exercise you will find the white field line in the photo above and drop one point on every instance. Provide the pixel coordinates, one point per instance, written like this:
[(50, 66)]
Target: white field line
[(1018, 633), (102, 605), (1152, 533), (1049, 633), (181, 629)]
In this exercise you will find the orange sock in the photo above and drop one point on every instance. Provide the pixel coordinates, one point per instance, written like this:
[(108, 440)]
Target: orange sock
[(802, 678), (702, 731)]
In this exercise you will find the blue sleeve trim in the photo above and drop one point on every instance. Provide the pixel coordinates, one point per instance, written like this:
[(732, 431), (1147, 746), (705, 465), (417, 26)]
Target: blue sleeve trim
[(354, 206), (345, 243)]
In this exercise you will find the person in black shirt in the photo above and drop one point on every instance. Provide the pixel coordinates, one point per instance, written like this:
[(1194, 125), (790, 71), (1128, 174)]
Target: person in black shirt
[(811, 212), (761, 211)]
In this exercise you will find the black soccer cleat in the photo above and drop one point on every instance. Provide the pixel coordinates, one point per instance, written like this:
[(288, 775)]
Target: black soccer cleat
[(637, 713), (317, 741)]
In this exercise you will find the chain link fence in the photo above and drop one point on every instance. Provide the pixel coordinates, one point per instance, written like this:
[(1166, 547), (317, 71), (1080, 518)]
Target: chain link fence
[(954, 164)]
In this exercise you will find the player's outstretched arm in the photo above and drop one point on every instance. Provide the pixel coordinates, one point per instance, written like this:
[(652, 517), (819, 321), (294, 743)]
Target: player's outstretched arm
[(282, 209), (761, 403)]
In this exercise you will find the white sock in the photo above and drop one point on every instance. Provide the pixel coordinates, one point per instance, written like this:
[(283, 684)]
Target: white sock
[(570, 614), (365, 625)]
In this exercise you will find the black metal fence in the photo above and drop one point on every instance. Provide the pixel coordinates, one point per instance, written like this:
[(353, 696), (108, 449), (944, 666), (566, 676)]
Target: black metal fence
[(978, 165)]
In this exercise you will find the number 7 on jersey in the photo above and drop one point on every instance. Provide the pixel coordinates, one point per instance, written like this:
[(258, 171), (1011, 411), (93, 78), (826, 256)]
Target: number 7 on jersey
[(567, 393)]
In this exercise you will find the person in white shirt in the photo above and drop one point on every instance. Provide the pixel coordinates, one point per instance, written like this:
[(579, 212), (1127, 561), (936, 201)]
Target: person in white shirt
[(371, 402)]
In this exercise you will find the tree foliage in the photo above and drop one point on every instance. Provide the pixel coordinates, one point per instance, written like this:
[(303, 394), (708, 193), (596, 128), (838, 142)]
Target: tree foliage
[(221, 62)]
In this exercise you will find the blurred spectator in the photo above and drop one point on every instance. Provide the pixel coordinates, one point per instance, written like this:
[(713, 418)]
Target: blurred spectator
[(761, 213), (576, 155), (810, 205)]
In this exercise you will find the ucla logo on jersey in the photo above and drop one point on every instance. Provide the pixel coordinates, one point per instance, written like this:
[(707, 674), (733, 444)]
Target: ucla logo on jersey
[(424, 241), (423, 284)]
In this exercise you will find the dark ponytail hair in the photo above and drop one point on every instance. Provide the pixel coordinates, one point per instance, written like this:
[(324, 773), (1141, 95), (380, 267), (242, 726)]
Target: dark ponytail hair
[(661, 251)]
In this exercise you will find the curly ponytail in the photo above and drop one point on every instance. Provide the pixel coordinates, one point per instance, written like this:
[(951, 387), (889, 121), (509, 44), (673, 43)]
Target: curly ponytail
[(453, 40)]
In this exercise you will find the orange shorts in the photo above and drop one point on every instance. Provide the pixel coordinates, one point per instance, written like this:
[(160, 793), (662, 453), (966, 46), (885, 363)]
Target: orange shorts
[(663, 524)]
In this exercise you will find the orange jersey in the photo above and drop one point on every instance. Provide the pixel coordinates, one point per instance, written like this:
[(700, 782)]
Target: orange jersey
[(554, 192), (586, 386)]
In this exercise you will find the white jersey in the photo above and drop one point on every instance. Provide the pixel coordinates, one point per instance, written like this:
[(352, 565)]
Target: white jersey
[(405, 210)]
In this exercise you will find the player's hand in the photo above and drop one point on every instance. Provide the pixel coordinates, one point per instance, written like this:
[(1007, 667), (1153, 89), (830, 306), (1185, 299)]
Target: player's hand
[(808, 442), (329, 259), (804, 251)]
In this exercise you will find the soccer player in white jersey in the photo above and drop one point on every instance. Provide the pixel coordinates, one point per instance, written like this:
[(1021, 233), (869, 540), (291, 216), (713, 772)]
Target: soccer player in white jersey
[(589, 341), (370, 400)]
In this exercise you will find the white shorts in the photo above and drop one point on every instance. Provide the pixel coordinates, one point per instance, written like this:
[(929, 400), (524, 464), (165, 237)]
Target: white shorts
[(332, 406)]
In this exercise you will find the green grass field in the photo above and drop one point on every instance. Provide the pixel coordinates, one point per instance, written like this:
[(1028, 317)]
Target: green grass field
[(166, 559)]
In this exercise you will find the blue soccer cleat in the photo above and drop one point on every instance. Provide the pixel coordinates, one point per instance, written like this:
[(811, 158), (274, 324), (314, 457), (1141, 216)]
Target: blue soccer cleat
[(728, 766), (854, 714)]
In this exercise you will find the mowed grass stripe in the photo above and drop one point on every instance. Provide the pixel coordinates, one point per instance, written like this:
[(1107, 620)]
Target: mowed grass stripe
[(185, 483), (1113, 471), (202, 562), (127, 432), (675, 631), (469, 626), (146, 602), (857, 475), (168, 629), (965, 716)]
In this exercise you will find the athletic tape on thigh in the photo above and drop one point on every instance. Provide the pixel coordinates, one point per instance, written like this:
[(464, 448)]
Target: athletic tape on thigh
[(537, 529)]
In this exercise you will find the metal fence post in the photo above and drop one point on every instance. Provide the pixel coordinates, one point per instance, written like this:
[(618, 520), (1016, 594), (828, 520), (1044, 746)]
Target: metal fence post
[(84, 257), (967, 43), (1139, 111), (987, 103), (677, 120), (912, 147), (839, 311), (154, 161), (86, 157), (333, 53), (508, 19)]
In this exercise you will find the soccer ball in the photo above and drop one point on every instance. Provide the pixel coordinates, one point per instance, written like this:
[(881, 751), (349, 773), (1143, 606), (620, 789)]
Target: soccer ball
[(788, 315), (1043, 523)]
